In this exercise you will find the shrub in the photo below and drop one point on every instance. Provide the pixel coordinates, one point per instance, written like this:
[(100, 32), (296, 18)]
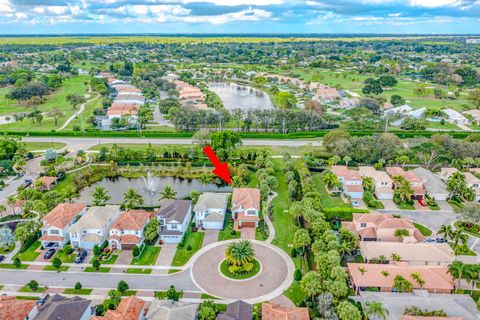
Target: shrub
[(17, 263), (100, 310), (293, 253), (56, 263), (297, 275), (96, 250), (189, 248), (33, 285), (96, 264), (122, 286), (78, 286), (371, 201), (180, 245), (136, 251), (68, 249)]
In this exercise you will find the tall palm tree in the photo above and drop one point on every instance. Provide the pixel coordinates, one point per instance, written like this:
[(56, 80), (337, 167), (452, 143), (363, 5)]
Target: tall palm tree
[(132, 199), (168, 193), (239, 253), (457, 237), (418, 279), (375, 309), (69, 193), (100, 196), (457, 269), (11, 200), (445, 230), (2, 210), (204, 179), (331, 181)]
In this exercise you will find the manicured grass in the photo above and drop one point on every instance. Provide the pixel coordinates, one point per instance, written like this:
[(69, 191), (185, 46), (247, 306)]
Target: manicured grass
[(328, 201), (101, 269), (51, 268), (240, 276), (423, 230), (31, 146), (26, 288), (226, 233), (462, 250), (30, 254), (11, 266), (112, 260), (446, 126), (193, 239), (470, 231), (404, 206), (295, 293), (7, 250), (208, 297), (26, 298), (82, 291), (138, 271), (66, 258), (148, 257), (174, 271), (163, 294)]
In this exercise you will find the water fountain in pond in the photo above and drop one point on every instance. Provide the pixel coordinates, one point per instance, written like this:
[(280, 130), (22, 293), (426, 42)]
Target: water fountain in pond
[(151, 186)]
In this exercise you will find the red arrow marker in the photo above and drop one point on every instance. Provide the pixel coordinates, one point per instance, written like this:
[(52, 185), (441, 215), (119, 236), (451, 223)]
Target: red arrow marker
[(221, 169)]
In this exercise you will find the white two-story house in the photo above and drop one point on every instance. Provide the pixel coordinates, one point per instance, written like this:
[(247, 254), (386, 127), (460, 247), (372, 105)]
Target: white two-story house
[(127, 231), (382, 183), (92, 228), (351, 181), (57, 222), (210, 210), (174, 217), (245, 208)]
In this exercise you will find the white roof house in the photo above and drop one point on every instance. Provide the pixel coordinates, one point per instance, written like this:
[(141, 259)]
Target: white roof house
[(455, 117), (210, 210), (417, 113), (403, 110)]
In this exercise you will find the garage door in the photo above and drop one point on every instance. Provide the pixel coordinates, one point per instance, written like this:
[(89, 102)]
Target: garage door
[(128, 246), (213, 225), (248, 225)]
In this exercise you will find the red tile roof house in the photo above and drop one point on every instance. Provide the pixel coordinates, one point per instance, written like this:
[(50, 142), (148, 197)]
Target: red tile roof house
[(131, 308), (47, 182), (381, 276), (127, 231), (272, 311), (245, 207), (415, 181), (351, 181), (382, 227), (56, 223), (13, 309)]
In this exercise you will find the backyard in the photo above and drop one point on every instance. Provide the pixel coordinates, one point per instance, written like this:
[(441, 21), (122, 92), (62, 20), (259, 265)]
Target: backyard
[(191, 244)]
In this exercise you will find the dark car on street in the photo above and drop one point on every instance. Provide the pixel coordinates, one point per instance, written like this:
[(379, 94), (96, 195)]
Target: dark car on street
[(81, 256), (2, 257), (49, 254)]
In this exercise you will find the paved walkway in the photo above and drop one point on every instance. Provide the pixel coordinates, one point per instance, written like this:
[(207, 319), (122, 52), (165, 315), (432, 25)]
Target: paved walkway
[(271, 228), (432, 219), (9, 257), (275, 276), (82, 108), (165, 258), (248, 233), (211, 236)]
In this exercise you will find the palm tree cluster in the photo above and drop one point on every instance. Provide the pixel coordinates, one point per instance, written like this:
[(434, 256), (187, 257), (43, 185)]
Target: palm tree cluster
[(464, 271), (456, 236), (239, 256)]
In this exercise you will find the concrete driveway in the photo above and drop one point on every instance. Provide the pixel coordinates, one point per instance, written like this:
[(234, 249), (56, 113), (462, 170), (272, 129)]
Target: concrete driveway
[(431, 219), (248, 233), (210, 237), (444, 205), (124, 257), (165, 257), (389, 205)]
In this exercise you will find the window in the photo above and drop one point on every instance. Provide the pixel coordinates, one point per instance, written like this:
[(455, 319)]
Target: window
[(54, 231), (173, 226), (363, 225), (251, 212)]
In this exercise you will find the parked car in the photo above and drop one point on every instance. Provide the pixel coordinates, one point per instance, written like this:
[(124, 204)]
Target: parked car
[(49, 253), (422, 202), (2, 257), (355, 203), (43, 299), (26, 183), (81, 256), (429, 240), (441, 240)]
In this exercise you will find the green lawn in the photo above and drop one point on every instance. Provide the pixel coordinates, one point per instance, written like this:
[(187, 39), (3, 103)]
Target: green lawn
[(81, 120), (73, 85), (208, 297), (163, 294), (424, 230), (193, 239), (101, 269), (226, 233), (446, 126), (65, 258), (295, 293), (112, 260), (138, 271), (328, 201), (170, 271), (8, 249), (82, 291), (240, 276), (26, 298), (51, 268), (32, 146), (148, 257), (30, 254), (11, 266), (471, 231), (26, 288), (462, 250)]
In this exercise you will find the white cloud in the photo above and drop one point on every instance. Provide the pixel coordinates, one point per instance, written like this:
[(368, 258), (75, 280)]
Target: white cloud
[(394, 14), (238, 2), (5, 7), (244, 15), (434, 3)]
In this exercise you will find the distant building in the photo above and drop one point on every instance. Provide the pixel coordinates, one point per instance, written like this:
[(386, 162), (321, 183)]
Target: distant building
[(433, 184), (46, 182), (455, 117), (382, 183), (473, 41), (166, 310), (471, 180), (415, 181)]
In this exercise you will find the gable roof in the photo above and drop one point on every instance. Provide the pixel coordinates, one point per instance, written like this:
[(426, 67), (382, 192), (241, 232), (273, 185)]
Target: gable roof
[(431, 181), (347, 174), (58, 307), (174, 210), (47, 181), (428, 252), (272, 311), (128, 309), (14, 309), (246, 198), (95, 218), (132, 220), (238, 310), (62, 215), (165, 310), (209, 200)]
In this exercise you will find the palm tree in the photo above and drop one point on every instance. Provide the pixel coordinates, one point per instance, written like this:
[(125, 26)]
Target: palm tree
[(418, 279), (403, 188), (458, 236), (100, 196), (331, 180), (132, 199), (168, 193), (400, 233), (2, 210), (367, 184), (375, 309), (445, 230), (457, 269), (347, 159), (69, 193), (240, 253), (11, 200)]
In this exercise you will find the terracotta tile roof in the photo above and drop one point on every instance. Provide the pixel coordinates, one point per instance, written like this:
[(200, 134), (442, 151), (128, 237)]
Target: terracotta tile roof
[(132, 220), (435, 277), (13, 309), (129, 309), (130, 239), (347, 174), (62, 215), (412, 252), (408, 175), (47, 181), (272, 311), (47, 237), (246, 198), (354, 188)]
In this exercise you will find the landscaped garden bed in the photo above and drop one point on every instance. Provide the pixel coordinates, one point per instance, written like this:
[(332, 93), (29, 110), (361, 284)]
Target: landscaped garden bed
[(467, 227), (192, 242), (224, 266), (423, 230), (138, 271), (148, 256), (77, 292), (101, 269)]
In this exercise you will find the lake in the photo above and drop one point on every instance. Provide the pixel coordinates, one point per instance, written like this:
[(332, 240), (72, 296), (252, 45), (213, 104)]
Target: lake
[(117, 187), (237, 96)]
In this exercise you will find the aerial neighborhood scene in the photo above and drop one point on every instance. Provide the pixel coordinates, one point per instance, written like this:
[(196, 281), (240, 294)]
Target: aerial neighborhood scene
[(239, 160)]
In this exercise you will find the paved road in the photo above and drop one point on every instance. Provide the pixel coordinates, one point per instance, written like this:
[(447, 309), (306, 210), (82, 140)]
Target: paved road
[(82, 108), (431, 219), (180, 280), (87, 143)]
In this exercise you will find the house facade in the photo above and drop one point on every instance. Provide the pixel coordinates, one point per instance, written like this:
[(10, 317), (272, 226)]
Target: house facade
[(471, 180), (351, 181), (245, 207), (92, 228), (130, 308), (174, 217), (57, 222), (128, 230), (382, 183), (434, 186), (58, 307), (415, 181), (210, 210)]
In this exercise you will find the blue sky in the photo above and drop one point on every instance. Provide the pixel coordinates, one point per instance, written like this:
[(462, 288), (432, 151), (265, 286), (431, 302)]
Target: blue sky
[(239, 16)]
